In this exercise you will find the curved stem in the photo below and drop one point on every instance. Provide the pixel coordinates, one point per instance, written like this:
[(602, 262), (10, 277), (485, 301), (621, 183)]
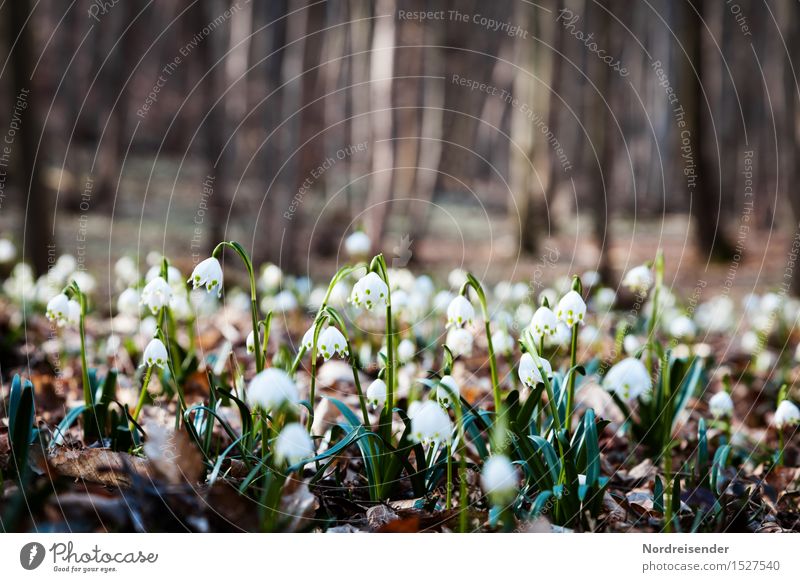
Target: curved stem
[(248, 263), (143, 393), (475, 284)]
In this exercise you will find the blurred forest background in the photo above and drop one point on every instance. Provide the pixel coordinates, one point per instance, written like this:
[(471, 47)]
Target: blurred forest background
[(577, 134)]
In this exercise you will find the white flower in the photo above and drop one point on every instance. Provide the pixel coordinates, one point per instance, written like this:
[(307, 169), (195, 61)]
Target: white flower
[(457, 278), (74, 314), (604, 299), (460, 312), (58, 309), (250, 342), (308, 338), (562, 337), (571, 309), (721, 405), (459, 340), (358, 244), (502, 341), (180, 306), (376, 393), (128, 302), (271, 389), (631, 344), (331, 342), (628, 379), (499, 479), (126, 271), (590, 336), (431, 425), (442, 300), (293, 444), (370, 292), (208, 273), (271, 276), (406, 350), (8, 252), (155, 354), (639, 279), (529, 371), (591, 278), (86, 282), (787, 414), (544, 323), (447, 391), (284, 302), (682, 327), (156, 294)]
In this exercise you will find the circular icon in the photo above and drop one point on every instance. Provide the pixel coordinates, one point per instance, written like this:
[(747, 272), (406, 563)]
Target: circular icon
[(31, 555)]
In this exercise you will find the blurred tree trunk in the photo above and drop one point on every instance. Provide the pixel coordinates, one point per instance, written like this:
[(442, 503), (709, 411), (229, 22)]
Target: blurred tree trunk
[(705, 195), (38, 233), (789, 13), (359, 103), (381, 72), (525, 182), (599, 102)]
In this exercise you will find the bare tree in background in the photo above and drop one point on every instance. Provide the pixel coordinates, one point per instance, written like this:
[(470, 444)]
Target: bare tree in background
[(38, 208)]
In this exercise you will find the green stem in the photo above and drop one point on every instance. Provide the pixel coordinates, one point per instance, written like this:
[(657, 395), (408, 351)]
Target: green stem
[(449, 494), (463, 497), (573, 360), (88, 397), (475, 284), (248, 263), (143, 393)]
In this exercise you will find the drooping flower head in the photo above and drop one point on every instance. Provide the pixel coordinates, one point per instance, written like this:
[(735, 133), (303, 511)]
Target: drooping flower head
[(571, 309), (128, 302), (376, 393), (406, 350), (460, 341), (499, 479), (208, 274), (721, 405), (155, 354), (293, 444), (529, 372), (544, 323), (787, 414), (358, 244), (448, 391), (430, 424), (370, 292), (460, 312), (331, 342), (628, 379), (271, 389), (156, 294), (639, 279), (58, 309)]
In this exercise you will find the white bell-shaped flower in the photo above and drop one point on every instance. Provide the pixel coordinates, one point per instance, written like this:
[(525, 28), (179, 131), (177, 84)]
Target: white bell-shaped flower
[(499, 478), (376, 393), (721, 405), (682, 327), (8, 252), (639, 279), (448, 391), (370, 292), (544, 323), (58, 309), (156, 294), (628, 379), (293, 444), (208, 274), (271, 276), (631, 344), (271, 389), (431, 425), (460, 312), (406, 350), (571, 309), (331, 342), (128, 302), (529, 372), (155, 354), (358, 244), (460, 341), (250, 342), (787, 414), (502, 341), (74, 316)]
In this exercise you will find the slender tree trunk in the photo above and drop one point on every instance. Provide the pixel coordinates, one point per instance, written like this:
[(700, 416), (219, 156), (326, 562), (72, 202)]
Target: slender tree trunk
[(38, 232)]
